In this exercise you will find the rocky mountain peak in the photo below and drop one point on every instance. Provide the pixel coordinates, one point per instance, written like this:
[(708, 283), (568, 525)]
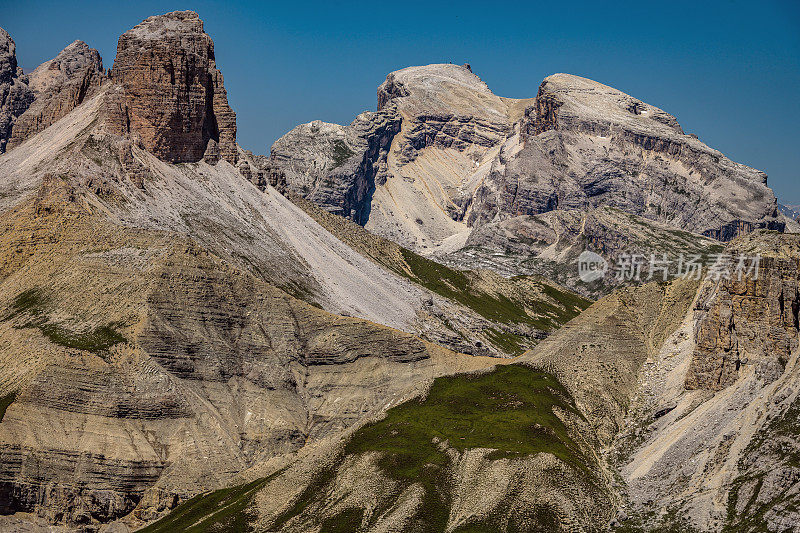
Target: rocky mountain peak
[(8, 57), (72, 61), (463, 157), (440, 89), (58, 86), (15, 96), (172, 96), (590, 100)]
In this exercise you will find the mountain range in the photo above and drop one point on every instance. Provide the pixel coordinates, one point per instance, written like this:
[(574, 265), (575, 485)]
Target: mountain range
[(380, 326)]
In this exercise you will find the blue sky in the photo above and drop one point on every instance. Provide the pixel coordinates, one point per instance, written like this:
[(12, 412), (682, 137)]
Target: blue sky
[(729, 70)]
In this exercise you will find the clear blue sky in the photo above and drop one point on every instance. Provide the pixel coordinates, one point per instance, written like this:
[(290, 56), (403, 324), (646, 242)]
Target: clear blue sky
[(729, 70)]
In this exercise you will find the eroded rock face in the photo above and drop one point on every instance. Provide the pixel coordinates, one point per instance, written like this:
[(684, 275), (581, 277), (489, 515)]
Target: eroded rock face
[(222, 370), (584, 144), (59, 86), (749, 321), (444, 106), (171, 94), (15, 96), (406, 178), (464, 157), (711, 433), (550, 243), (337, 167)]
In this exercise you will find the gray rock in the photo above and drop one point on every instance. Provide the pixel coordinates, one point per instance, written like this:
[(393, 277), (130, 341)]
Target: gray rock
[(15, 96), (550, 243), (59, 86), (335, 166), (584, 144), (458, 157)]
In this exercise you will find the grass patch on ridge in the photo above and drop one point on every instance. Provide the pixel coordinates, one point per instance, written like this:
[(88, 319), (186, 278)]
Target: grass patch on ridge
[(221, 511), (456, 285), (32, 303), (509, 410)]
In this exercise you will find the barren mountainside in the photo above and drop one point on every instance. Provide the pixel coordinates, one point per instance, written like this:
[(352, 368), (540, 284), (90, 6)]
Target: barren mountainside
[(377, 327), (168, 326), (443, 155)]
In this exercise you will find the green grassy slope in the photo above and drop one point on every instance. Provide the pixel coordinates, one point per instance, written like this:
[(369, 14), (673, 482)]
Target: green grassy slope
[(511, 410), (514, 410)]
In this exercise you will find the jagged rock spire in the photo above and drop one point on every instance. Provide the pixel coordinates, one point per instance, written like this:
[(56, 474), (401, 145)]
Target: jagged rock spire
[(172, 96), (15, 96), (59, 86)]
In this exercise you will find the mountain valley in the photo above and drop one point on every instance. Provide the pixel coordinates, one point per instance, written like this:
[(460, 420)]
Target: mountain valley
[(381, 326)]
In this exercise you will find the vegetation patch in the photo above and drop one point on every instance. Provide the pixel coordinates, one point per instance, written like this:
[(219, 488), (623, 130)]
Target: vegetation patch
[(306, 498), (28, 302), (32, 304), (458, 286), (341, 153), (221, 511), (510, 410), (510, 343), (96, 340), (347, 521)]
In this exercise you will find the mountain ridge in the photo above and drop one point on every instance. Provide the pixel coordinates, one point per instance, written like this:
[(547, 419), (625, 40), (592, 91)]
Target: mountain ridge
[(199, 338), (461, 153)]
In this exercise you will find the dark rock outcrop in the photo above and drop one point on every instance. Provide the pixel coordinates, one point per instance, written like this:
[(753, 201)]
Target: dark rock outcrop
[(15, 96), (170, 92), (59, 86)]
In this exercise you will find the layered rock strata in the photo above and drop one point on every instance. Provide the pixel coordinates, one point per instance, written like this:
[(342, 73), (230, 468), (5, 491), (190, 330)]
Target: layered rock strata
[(462, 157), (750, 316), (59, 86), (170, 94), (15, 95)]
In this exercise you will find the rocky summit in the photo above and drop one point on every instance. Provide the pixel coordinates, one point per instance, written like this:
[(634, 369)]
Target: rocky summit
[(462, 157), (377, 327), (170, 94), (58, 86), (15, 95)]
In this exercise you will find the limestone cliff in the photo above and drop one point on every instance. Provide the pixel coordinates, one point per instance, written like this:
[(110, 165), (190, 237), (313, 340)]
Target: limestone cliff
[(583, 144), (170, 94), (334, 166), (711, 437), (15, 95), (59, 86), (464, 157), (749, 319)]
